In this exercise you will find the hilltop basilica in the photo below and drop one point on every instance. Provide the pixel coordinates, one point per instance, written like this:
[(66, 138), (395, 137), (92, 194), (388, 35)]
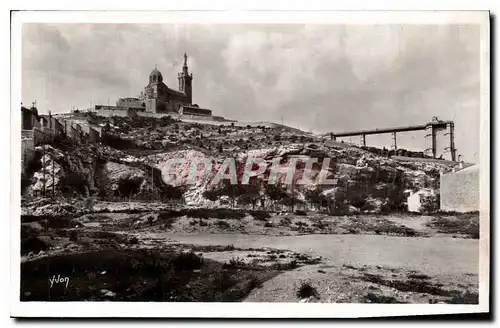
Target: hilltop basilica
[(158, 98)]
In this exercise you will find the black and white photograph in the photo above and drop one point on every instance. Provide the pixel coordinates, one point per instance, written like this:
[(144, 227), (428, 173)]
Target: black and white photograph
[(170, 161)]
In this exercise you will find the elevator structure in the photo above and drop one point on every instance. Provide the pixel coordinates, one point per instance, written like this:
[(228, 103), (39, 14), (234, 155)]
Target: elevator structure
[(439, 137)]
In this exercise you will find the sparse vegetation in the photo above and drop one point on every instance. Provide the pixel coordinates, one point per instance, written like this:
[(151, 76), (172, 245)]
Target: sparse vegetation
[(73, 235), (430, 204), (260, 215), (286, 221), (465, 224), (235, 262), (306, 290), (223, 224), (148, 267), (374, 298), (187, 261)]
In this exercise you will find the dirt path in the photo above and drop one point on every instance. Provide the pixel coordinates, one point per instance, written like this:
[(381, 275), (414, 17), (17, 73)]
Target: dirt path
[(433, 256), (446, 261)]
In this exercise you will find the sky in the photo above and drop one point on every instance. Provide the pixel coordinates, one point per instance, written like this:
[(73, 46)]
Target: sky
[(319, 78)]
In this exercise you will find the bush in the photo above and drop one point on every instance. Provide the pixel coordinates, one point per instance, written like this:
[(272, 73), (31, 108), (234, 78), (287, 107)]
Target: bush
[(260, 216), (300, 212), (223, 224), (235, 262), (134, 241), (187, 261), (168, 218), (151, 220), (74, 183), (286, 221), (301, 224), (465, 224), (306, 290), (320, 225), (117, 142), (33, 244), (430, 204), (73, 235)]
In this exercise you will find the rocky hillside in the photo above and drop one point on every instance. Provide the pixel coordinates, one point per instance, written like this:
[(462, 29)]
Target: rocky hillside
[(130, 164)]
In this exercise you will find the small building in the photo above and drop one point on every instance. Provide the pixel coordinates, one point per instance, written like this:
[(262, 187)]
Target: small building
[(134, 104), (194, 110), (30, 119), (460, 190), (105, 107), (414, 199)]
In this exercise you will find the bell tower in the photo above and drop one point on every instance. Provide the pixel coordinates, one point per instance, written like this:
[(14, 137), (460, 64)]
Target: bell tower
[(185, 80)]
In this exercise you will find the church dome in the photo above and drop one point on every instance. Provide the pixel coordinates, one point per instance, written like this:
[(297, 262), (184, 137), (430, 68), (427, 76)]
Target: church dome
[(155, 76)]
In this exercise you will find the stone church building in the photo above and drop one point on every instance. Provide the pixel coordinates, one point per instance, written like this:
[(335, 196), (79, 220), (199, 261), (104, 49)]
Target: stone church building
[(160, 99)]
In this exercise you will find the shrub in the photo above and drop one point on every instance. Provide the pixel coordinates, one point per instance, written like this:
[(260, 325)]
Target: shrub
[(235, 262), (301, 224), (465, 298), (260, 216), (269, 225), (430, 204), (300, 212), (306, 290), (73, 235), (223, 224), (168, 218), (74, 183), (33, 244), (151, 220), (466, 224), (117, 142), (286, 221), (374, 298), (320, 225), (134, 241), (212, 195), (187, 261)]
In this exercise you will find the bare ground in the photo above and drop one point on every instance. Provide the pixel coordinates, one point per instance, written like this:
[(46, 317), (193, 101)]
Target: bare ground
[(315, 258)]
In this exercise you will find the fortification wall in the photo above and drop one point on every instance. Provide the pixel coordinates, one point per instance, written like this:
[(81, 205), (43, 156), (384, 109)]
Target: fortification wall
[(115, 112), (42, 136), (27, 134), (196, 117), (28, 151), (459, 190), (158, 115)]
